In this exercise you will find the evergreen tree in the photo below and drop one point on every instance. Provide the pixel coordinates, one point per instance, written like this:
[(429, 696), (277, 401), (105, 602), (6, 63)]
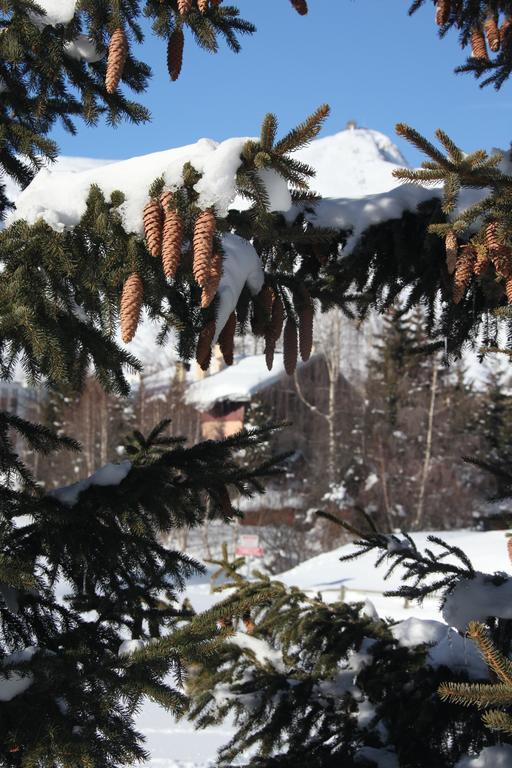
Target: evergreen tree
[(323, 684)]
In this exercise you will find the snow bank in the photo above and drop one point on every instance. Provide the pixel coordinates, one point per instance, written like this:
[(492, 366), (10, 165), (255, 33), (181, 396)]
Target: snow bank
[(110, 474), (60, 200), (486, 550), (238, 383), (490, 757)]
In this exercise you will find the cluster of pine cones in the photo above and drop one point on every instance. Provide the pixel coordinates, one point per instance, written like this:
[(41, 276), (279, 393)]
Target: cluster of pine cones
[(475, 258), (491, 29), (164, 232)]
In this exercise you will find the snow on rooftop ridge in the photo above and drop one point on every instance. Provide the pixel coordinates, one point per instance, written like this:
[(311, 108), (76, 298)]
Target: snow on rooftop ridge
[(238, 383)]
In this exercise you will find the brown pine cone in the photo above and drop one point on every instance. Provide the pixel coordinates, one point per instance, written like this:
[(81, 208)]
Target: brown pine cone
[(202, 245), (482, 261), (175, 46), (508, 289), (262, 310), (463, 273), (277, 319), (153, 225), (452, 250), (503, 30), (172, 240), (443, 8), (227, 339), (306, 316), (131, 305), (492, 33), (478, 46), (270, 348), (184, 6), (249, 624), (226, 622), (116, 59), (491, 236), (204, 345), (300, 6), (202, 5), (290, 346), (209, 291), (502, 261)]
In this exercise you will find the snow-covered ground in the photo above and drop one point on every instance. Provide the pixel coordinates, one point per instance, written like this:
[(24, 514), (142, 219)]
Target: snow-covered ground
[(177, 745)]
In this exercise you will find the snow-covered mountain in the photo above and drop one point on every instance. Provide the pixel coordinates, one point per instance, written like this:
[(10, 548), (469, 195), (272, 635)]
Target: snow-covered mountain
[(353, 163)]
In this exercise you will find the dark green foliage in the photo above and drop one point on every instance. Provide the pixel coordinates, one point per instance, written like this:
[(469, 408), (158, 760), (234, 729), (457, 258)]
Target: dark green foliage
[(299, 684), (98, 547)]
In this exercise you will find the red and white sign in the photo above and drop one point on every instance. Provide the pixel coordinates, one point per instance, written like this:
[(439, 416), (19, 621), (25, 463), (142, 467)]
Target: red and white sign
[(249, 546)]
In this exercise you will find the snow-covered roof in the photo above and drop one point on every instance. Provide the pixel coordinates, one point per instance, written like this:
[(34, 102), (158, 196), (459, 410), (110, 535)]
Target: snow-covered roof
[(238, 383)]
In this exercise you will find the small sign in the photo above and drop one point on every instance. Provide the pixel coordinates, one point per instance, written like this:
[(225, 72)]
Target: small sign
[(249, 546)]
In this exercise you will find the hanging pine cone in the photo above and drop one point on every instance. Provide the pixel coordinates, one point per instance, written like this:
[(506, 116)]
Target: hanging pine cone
[(175, 47), (262, 310), (508, 289), (249, 624), (503, 30), (491, 236), (492, 33), (452, 250), (131, 305), (172, 240), (478, 47), (226, 622), (202, 5), (509, 548), (204, 345), (482, 261), (270, 348), (153, 225), (202, 245), (277, 319), (209, 291), (443, 8), (306, 317), (227, 339), (463, 273), (116, 59), (300, 6), (184, 6), (290, 346)]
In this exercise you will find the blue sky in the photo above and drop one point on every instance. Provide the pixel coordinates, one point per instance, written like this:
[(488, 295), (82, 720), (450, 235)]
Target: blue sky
[(366, 58)]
